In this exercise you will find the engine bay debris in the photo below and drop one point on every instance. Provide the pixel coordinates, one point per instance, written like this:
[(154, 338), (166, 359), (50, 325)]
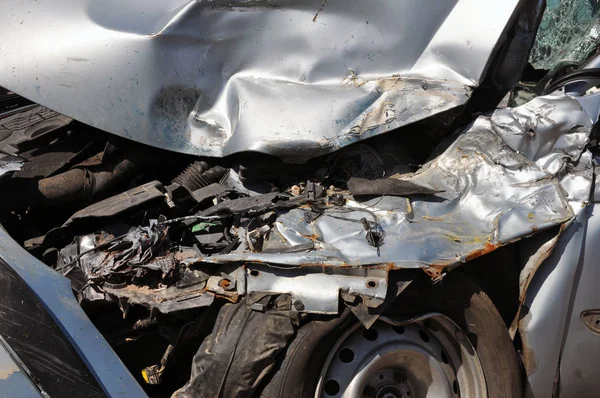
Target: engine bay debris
[(339, 233), (270, 238), (266, 236), (209, 186)]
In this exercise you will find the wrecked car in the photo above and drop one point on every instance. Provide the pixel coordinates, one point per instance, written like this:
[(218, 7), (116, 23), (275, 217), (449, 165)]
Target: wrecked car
[(296, 199)]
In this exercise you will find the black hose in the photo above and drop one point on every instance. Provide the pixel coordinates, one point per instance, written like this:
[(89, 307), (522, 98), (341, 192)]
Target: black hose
[(199, 175), (80, 183)]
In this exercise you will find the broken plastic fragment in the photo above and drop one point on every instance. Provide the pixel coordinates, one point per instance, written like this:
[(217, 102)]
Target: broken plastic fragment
[(203, 226)]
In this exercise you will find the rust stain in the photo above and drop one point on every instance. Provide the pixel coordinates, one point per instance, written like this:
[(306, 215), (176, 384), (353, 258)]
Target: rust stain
[(433, 218), (147, 295), (371, 284), (186, 255), (259, 262), (312, 237), (563, 227), (433, 272), (436, 269), (487, 248), (442, 264), (224, 283), (533, 229), (233, 298)]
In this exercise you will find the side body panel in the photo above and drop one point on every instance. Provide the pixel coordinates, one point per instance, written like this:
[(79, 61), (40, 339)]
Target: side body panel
[(546, 309), (56, 297), (560, 351), (580, 362)]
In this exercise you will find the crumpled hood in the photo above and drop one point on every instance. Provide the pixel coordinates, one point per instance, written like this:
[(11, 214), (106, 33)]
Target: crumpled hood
[(506, 176), (291, 78)]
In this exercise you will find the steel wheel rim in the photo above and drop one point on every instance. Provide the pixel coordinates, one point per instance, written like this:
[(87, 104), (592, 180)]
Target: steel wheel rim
[(428, 356)]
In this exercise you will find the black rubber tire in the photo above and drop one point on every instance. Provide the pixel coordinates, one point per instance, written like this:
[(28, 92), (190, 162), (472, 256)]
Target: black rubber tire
[(298, 371), (457, 297)]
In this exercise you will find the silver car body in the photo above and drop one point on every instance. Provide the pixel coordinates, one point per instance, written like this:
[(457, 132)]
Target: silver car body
[(291, 78), (297, 79)]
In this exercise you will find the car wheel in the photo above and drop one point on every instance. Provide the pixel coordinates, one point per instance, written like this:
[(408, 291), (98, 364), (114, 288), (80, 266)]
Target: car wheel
[(443, 340)]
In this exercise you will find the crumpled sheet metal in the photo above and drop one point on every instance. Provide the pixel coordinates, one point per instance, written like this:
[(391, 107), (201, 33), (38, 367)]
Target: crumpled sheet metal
[(166, 300), (286, 77), (135, 249), (505, 177)]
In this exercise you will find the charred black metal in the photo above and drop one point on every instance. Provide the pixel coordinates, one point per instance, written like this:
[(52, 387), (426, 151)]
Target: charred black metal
[(375, 234), (226, 365), (336, 199)]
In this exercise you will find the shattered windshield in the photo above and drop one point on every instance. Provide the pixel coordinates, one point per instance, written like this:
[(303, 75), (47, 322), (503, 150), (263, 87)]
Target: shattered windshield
[(569, 31)]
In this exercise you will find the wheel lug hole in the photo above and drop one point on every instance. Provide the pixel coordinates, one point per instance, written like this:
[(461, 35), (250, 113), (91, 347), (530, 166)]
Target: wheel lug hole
[(370, 334), (346, 355), (398, 329), (332, 387), (444, 357)]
